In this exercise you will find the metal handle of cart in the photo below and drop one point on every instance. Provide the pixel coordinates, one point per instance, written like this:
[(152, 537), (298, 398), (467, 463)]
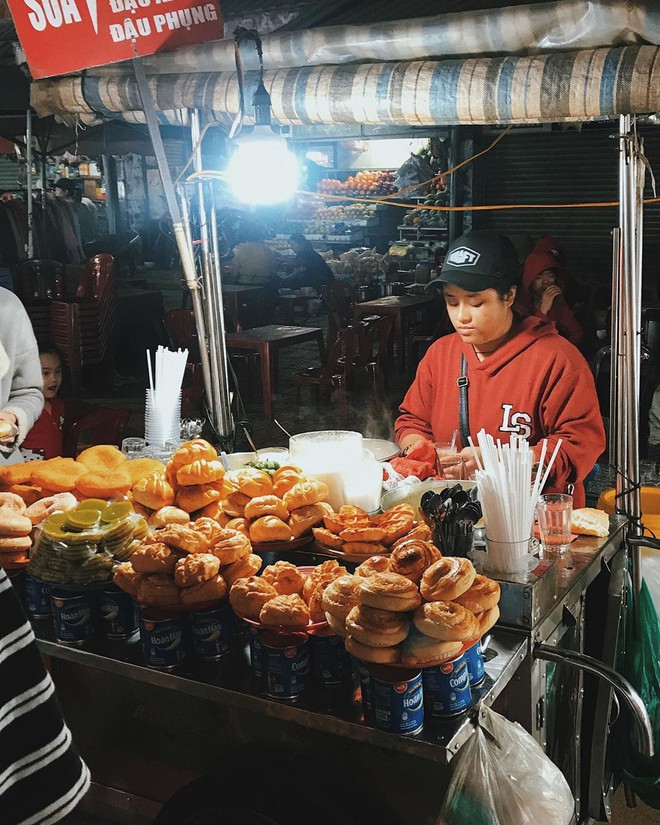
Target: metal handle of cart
[(621, 686)]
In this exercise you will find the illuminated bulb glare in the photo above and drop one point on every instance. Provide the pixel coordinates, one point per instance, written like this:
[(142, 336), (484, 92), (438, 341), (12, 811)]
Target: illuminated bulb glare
[(262, 170)]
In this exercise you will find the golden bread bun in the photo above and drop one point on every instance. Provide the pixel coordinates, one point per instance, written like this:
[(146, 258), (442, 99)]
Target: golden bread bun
[(373, 565), (326, 538), (101, 458), (253, 482), (195, 569), (322, 575), (242, 569), (214, 510), (309, 491), (153, 491), (154, 558), (27, 492), (200, 472), (14, 543), (373, 535), (191, 451), (487, 619), (234, 504), (447, 579), (364, 548), (208, 527), (588, 521), (6, 428), (337, 624), (284, 479), (397, 521), (196, 497), (411, 557), (240, 524), (168, 515), (419, 649), (211, 590), (182, 537), (447, 621), (138, 468), (230, 546), (20, 473), (58, 474), (389, 591), (422, 532), (12, 502), (482, 595), (378, 655), (125, 577), (269, 528), (158, 589), (347, 516), (248, 596), (285, 611), (315, 605), (285, 578), (13, 524), (266, 506), (59, 503), (376, 628), (108, 484), (303, 519)]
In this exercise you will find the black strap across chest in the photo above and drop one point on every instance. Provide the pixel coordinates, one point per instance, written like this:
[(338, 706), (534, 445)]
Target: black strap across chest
[(463, 410)]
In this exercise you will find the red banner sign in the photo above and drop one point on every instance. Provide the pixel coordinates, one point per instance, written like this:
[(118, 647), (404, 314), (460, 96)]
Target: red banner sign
[(61, 36)]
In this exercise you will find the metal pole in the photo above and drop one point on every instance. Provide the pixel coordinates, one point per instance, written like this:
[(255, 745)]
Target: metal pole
[(182, 239), (614, 361), (29, 247)]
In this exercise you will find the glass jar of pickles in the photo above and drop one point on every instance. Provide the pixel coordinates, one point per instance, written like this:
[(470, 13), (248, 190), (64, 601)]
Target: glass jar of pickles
[(84, 544)]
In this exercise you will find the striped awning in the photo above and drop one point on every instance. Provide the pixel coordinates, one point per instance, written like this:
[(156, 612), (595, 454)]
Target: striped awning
[(574, 86)]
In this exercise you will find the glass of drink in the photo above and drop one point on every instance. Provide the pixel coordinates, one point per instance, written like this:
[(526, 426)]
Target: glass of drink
[(554, 512), (448, 462), (133, 447)]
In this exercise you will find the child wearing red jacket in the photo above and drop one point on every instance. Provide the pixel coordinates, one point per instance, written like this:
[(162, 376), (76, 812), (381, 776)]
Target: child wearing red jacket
[(523, 377), (45, 438)]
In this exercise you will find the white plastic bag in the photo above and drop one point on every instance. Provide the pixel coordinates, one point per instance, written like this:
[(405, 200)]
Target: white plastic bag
[(502, 777)]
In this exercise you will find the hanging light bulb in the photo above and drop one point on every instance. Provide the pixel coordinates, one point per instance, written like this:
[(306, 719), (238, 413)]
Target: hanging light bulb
[(262, 169)]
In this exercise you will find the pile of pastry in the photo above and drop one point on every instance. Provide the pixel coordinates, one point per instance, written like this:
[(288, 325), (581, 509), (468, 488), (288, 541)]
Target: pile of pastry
[(284, 595), (187, 564), (413, 607), (351, 530), (281, 507), (15, 529), (102, 471)]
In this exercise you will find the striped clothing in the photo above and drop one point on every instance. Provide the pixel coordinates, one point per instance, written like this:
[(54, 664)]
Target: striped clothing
[(42, 777)]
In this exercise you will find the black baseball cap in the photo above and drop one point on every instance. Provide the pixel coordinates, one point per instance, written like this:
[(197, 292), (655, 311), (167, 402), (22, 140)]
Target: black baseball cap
[(481, 259)]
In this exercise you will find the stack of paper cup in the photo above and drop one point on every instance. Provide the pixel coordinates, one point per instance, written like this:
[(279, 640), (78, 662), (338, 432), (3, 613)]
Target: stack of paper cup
[(162, 422)]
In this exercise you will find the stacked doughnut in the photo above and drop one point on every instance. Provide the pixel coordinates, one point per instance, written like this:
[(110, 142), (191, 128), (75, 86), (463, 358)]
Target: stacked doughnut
[(281, 507), (15, 529), (101, 471), (284, 595), (352, 531), (412, 607), (187, 564)]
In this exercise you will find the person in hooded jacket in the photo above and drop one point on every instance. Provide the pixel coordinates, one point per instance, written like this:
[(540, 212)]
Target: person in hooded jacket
[(544, 284), (523, 378)]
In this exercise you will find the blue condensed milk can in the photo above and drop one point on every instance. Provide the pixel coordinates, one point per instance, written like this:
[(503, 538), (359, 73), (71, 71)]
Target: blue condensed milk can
[(447, 688), (397, 696)]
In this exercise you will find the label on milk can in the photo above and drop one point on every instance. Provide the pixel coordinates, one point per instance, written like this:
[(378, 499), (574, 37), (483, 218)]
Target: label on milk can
[(332, 664), (447, 688), (213, 633), (119, 616), (285, 658), (37, 597), (398, 699), (72, 617), (163, 638), (475, 661)]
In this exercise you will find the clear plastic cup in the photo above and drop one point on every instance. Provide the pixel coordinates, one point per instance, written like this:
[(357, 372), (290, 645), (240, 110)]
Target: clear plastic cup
[(554, 512)]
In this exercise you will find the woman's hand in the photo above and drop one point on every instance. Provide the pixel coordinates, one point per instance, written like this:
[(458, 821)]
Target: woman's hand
[(410, 442), (10, 417), (548, 298), (467, 454)]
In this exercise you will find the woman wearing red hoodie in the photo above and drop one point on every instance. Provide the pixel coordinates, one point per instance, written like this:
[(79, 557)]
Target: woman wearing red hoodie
[(543, 291), (522, 377)]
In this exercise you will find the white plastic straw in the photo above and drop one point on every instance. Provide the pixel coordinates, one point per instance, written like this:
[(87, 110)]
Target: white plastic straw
[(163, 412)]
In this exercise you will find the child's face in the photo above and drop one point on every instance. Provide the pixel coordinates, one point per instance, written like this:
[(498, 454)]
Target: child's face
[(51, 370)]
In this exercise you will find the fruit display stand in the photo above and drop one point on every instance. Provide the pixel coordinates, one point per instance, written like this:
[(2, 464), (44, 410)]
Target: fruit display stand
[(204, 720)]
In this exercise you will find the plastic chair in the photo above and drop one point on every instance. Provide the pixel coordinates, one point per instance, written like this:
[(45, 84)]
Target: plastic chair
[(334, 374), (83, 328), (339, 298), (39, 280), (375, 350), (181, 332), (100, 425)]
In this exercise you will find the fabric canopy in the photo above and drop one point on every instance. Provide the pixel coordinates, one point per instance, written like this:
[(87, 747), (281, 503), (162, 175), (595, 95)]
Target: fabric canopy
[(575, 86)]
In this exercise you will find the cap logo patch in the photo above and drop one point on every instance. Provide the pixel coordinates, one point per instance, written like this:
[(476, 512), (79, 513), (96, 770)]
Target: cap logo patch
[(463, 256)]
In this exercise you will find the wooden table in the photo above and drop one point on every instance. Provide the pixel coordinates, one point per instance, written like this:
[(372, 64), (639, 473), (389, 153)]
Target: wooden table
[(268, 341), (242, 301), (400, 307)]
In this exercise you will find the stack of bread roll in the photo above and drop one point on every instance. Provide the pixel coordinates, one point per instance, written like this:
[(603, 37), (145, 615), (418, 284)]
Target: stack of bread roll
[(101, 471), (187, 564), (412, 607), (350, 530), (277, 508), (285, 596), (15, 529)]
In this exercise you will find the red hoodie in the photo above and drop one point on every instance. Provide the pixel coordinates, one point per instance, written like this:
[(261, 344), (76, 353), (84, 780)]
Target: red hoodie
[(560, 312), (536, 385)]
